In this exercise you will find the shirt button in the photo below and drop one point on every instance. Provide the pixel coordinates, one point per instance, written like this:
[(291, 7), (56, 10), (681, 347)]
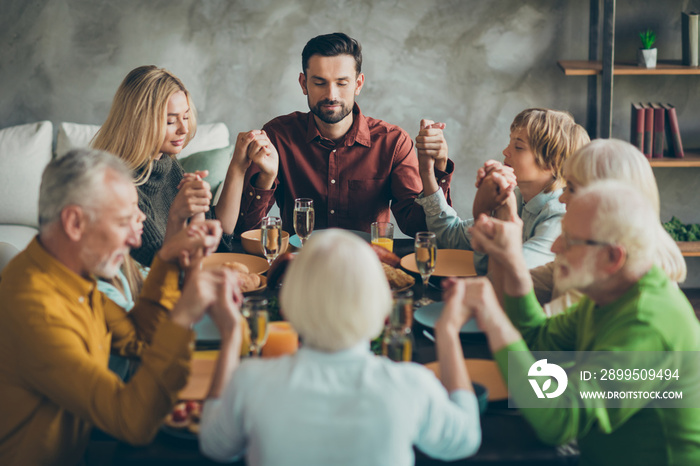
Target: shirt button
[(332, 211), (333, 151), (251, 193), (332, 181), (257, 197), (442, 181), (81, 299)]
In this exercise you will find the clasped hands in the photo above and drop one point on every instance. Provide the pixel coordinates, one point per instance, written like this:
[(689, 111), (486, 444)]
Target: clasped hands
[(214, 291), (495, 183)]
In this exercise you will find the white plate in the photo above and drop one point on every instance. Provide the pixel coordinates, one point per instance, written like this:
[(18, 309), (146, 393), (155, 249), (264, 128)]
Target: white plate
[(295, 241), (429, 314)]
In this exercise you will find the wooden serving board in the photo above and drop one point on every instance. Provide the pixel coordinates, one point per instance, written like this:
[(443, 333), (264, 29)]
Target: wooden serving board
[(201, 371)]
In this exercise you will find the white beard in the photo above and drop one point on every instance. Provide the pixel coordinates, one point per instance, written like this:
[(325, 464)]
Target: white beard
[(577, 278)]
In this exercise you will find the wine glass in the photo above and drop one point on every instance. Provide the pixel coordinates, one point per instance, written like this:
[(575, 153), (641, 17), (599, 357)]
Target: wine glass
[(426, 256), (271, 237), (254, 310), (303, 218), (401, 317)]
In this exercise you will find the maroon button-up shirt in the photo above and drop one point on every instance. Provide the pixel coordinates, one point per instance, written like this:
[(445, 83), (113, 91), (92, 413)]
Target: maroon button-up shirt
[(352, 183)]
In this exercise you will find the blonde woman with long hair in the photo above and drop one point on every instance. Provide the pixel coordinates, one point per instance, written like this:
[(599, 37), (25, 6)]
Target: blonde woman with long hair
[(608, 159), (151, 120)]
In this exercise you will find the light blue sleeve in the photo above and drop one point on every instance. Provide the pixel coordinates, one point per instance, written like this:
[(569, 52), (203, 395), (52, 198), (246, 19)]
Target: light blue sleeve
[(125, 302), (450, 230), (451, 427), (221, 433)]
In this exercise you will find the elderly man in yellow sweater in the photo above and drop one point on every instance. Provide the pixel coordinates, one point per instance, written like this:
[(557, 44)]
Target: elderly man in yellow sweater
[(58, 330)]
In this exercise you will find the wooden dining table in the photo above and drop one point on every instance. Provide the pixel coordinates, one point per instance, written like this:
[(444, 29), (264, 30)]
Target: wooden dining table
[(507, 439)]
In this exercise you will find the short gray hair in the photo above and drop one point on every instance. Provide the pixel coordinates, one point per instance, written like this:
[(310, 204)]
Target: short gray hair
[(624, 217), (335, 292), (76, 179)]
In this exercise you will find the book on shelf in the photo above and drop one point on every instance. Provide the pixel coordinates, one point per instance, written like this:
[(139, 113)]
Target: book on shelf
[(657, 147), (648, 130), (689, 37), (673, 132), (637, 126)]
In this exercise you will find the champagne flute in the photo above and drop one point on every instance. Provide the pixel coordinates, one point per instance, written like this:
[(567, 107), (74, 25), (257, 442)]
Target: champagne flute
[(254, 310), (426, 256), (303, 218), (271, 237)]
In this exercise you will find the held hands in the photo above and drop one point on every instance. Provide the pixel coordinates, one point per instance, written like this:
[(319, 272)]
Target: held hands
[(216, 291), (195, 241), (501, 240), (467, 298), (263, 153), (192, 200), (495, 183), (431, 146)]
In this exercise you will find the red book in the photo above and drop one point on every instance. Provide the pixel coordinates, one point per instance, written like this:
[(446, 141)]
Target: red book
[(673, 132), (657, 148), (648, 130), (637, 126)]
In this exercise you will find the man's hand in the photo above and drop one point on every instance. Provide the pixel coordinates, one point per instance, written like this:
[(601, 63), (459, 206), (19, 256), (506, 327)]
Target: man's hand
[(196, 240), (431, 146), (263, 153), (240, 160), (205, 290), (502, 242), (225, 311)]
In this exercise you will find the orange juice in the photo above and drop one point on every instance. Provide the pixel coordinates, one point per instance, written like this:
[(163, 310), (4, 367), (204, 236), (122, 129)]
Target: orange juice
[(281, 339), (386, 243)]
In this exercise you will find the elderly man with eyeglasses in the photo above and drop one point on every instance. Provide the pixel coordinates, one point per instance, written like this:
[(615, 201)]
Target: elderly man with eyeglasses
[(632, 314)]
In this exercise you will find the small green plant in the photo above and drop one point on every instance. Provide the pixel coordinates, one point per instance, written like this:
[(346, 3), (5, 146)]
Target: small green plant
[(648, 38)]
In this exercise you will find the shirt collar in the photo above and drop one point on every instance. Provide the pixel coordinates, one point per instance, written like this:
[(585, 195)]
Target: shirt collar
[(72, 285), (537, 203), (358, 132), (355, 352)]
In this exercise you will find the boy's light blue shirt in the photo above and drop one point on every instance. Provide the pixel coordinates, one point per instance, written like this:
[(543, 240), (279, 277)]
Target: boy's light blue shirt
[(541, 226)]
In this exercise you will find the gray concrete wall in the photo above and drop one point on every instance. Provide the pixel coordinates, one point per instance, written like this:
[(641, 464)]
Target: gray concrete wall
[(471, 63)]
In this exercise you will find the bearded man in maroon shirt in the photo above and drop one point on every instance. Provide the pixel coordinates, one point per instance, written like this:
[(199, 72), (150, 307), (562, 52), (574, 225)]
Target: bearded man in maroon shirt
[(353, 167)]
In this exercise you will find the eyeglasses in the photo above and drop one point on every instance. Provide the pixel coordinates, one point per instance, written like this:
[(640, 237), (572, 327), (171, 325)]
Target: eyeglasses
[(571, 242)]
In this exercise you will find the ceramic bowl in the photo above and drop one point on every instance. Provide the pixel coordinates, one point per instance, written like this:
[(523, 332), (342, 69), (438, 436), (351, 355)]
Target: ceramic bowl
[(251, 242)]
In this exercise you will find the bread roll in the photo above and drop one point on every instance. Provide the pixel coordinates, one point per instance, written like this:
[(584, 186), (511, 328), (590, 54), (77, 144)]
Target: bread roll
[(397, 278)]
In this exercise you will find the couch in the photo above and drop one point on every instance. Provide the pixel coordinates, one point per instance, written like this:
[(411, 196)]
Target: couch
[(26, 149)]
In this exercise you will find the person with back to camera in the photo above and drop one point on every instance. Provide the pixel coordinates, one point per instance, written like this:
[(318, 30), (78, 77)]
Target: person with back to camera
[(607, 159), (352, 166), (152, 119), (334, 402), (527, 183)]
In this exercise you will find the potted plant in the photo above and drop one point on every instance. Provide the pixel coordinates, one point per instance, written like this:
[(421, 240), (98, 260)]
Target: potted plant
[(646, 56)]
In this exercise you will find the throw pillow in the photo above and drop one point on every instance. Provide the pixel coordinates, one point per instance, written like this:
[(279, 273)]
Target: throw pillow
[(215, 160)]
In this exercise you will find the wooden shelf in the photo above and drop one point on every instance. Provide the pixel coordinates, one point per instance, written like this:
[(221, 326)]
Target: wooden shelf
[(689, 248), (592, 68), (691, 159)]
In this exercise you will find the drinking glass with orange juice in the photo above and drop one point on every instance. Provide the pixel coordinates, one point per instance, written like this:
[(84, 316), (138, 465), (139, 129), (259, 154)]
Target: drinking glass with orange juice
[(382, 234), (281, 339)]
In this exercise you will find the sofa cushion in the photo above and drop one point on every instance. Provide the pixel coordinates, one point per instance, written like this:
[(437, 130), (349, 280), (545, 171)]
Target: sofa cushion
[(74, 135), (24, 152), (215, 160)]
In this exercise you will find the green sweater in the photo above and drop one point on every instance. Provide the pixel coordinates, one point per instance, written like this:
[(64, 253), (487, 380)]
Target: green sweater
[(653, 315)]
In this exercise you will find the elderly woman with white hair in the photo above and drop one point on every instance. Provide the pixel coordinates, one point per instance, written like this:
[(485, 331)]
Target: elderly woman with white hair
[(608, 159), (334, 402)]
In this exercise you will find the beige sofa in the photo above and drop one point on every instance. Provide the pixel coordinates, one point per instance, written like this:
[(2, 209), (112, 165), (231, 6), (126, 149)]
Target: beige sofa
[(26, 149)]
